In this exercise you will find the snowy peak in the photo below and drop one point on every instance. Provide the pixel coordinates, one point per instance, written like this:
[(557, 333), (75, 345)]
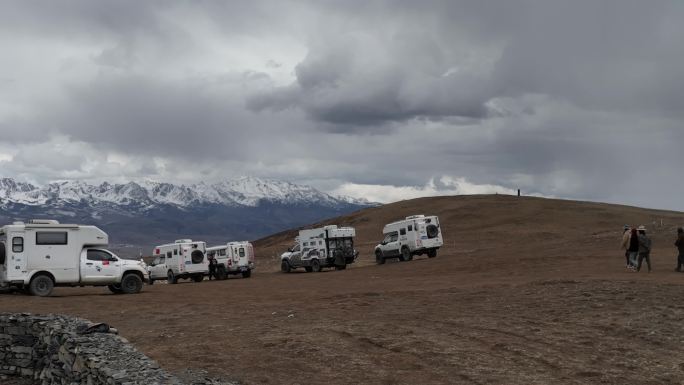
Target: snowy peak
[(245, 191)]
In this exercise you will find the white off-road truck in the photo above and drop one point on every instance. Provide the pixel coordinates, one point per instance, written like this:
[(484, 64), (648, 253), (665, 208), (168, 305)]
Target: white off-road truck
[(183, 259), (314, 249), (233, 258), (415, 235), (41, 254)]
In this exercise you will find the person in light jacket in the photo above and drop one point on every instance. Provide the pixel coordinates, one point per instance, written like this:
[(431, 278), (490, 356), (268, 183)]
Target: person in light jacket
[(644, 248), (626, 233), (679, 243)]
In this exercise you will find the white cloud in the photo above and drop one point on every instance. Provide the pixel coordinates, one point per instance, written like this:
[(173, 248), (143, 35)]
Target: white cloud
[(445, 185)]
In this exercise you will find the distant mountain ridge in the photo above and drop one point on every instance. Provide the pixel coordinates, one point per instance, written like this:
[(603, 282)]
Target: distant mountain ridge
[(244, 191), (138, 215)]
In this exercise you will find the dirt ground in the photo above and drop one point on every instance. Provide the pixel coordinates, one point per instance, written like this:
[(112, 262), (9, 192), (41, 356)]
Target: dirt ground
[(525, 291)]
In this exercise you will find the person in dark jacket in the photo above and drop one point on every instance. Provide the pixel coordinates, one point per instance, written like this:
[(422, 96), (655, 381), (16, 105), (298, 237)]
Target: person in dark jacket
[(633, 249), (644, 248), (679, 243), (212, 266)]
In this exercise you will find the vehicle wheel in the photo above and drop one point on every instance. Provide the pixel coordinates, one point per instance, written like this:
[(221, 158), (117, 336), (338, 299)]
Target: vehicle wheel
[(198, 277), (116, 289), (308, 269), (41, 286), (406, 254), (315, 265), (432, 253), (247, 274), (340, 267), (131, 284), (379, 259), (285, 266), (170, 278)]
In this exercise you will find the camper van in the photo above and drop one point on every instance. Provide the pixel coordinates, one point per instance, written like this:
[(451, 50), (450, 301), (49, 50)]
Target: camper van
[(233, 258), (314, 249), (415, 235), (41, 254), (183, 259)]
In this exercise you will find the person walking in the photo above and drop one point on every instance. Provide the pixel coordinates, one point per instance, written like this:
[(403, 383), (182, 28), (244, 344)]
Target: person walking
[(212, 266), (633, 249), (679, 243), (626, 232), (644, 248)]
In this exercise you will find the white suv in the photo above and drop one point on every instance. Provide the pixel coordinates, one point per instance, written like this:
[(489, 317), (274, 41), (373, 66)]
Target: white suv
[(415, 235)]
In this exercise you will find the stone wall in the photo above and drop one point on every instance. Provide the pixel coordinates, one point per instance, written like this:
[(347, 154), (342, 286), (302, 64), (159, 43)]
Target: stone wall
[(57, 349)]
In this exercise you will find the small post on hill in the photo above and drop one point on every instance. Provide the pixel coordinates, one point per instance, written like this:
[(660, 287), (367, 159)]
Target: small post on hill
[(518, 192)]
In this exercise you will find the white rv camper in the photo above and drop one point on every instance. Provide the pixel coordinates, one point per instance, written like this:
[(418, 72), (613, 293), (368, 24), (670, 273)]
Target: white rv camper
[(314, 249), (415, 235), (183, 259), (42, 254), (233, 258)]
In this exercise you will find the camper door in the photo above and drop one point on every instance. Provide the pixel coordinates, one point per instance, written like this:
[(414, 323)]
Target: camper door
[(15, 255)]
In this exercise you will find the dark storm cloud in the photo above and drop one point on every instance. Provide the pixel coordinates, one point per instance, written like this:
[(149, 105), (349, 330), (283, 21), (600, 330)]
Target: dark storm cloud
[(578, 99)]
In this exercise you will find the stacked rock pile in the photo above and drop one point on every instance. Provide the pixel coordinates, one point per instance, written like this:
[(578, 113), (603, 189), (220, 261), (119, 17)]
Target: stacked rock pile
[(56, 349)]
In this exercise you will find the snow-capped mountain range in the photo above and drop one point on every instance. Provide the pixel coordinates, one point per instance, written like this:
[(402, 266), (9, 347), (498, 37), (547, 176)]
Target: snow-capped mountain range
[(244, 191), (139, 215)]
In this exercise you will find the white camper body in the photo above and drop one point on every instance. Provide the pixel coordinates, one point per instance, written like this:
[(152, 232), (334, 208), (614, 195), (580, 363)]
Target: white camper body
[(328, 246), (42, 254), (415, 235), (233, 258), (183, 259)]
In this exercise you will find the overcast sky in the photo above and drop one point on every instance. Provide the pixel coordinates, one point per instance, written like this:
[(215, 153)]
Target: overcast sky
[(378, 99)]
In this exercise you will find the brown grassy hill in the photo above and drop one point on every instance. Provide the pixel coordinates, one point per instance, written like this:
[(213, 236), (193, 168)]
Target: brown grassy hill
[(525, 291), (502, 224)]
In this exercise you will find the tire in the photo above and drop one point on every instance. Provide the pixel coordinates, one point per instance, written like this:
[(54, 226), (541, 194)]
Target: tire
[(285, 266), (432, 231), (116, 289), (221, 272), (379, 259), (197, 257), (308, 269), (432, 253), (341, 267), (170, 278), (406, 254), (131, 284), (198, 277), (41, 285), (247, 274), (315, 265)]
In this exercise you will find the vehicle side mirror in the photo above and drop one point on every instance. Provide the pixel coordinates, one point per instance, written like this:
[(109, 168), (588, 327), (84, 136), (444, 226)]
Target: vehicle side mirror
[(383, 243), (289, 249)]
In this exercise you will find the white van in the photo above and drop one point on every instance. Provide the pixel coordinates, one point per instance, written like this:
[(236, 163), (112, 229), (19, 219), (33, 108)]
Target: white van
[(183, 259), (42, 254), (233, 258), (314, 249), (415, 235)]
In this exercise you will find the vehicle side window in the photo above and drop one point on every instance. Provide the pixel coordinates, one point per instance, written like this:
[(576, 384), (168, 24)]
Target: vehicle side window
[(242, 251), (402, 231), (296, 248), (99, 255), (222, 252), (161, 260), (410, 227), (51, 238), (168, 254), (394, 237), (156, 261), (17, 244), (175, 251)]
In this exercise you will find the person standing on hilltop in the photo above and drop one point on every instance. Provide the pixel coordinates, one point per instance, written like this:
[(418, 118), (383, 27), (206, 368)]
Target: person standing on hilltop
[(679, 243), (633, 249), (644, 248), (626, 232)]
